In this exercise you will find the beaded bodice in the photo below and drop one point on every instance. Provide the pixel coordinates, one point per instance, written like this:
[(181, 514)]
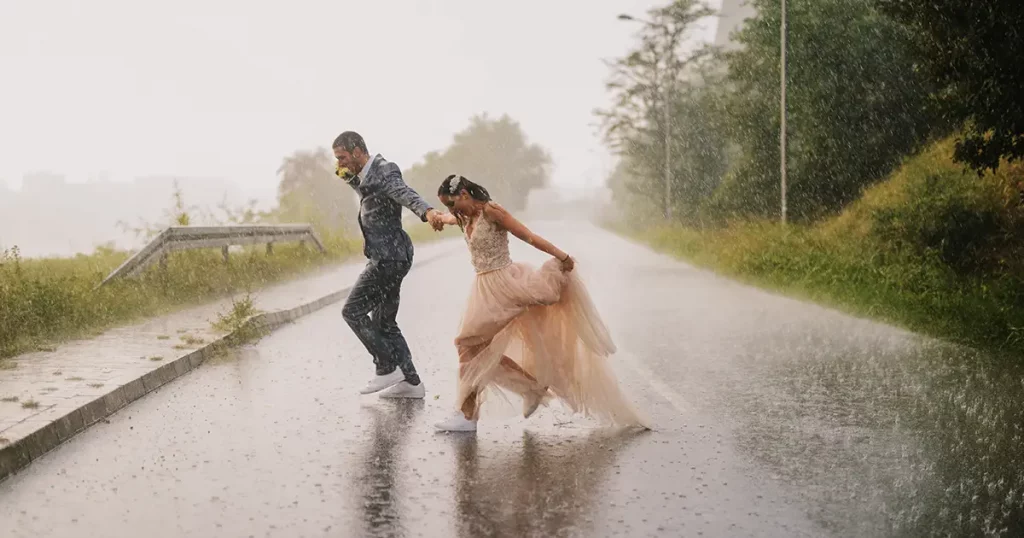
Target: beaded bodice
[(488, 245)]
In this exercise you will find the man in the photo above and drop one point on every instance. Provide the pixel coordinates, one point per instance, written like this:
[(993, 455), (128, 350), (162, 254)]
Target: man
[(372, 306)]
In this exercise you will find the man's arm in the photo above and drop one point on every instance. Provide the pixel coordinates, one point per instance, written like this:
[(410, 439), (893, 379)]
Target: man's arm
[(397, 190)]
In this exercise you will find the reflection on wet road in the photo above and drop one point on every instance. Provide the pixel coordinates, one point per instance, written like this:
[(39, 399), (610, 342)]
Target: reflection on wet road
[(774, 418), (908, 440)]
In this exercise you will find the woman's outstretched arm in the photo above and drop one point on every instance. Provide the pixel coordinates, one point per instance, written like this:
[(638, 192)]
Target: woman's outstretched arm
[(505, 219)]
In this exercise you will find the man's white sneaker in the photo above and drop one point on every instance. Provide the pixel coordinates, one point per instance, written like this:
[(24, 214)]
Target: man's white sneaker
[(405, 390), (381, 382), (457, 423)]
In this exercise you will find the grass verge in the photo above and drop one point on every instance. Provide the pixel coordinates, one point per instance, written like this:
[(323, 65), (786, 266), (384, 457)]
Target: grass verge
[(934, 249), (49, 300)]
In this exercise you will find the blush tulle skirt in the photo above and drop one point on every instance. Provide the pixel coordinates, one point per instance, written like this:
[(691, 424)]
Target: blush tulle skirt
[(535, 332)]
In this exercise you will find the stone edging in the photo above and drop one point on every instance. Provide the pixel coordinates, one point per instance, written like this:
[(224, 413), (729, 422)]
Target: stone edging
[(22, 452)]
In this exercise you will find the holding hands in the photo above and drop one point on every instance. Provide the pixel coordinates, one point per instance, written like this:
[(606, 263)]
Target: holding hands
[(438, 220), (435, 219)]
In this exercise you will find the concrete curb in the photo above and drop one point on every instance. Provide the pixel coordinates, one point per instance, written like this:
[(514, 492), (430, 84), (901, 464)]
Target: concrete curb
[(22, 452)]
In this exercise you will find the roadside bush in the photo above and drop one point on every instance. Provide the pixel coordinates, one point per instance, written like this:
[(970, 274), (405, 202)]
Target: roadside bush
[(933, 206), (935, 248)]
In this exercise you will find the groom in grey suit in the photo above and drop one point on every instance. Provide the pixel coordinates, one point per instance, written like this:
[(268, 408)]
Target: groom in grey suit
[(372, 306)]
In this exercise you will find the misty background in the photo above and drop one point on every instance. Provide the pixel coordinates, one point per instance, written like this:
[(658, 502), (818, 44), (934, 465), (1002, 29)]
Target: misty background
[(106, 104)]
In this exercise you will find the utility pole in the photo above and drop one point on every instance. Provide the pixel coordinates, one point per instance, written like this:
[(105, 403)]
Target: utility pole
[(782, 123), (668, 148), (665, 105)]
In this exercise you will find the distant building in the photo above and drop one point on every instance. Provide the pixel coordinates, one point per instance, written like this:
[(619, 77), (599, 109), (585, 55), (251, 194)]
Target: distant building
[(42, 182), (728, 19), (52, 217), (731, 17)]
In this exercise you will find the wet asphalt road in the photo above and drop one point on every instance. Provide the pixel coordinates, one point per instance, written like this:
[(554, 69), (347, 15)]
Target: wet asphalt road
[(773, 418)]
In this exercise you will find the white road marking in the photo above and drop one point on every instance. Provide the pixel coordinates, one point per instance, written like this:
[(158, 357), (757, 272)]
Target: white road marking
[(663, 390)]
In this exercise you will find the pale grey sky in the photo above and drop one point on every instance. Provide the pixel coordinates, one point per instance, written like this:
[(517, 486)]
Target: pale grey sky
[(226, 88)]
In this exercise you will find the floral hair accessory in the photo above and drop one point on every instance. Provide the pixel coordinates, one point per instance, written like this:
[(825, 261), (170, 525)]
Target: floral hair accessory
[(454, 183)]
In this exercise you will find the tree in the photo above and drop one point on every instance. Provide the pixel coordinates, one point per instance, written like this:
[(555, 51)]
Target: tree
[(246, 214), (493, 153), (635, 125), (631, 204), (179, 214), (310, 191), (856, 106), (973, 51)]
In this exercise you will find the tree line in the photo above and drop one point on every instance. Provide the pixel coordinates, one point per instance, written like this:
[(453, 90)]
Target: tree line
[(868, 84), (493, 151)]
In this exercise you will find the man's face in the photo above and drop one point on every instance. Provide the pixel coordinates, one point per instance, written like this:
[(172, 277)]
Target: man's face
[(353, 160)]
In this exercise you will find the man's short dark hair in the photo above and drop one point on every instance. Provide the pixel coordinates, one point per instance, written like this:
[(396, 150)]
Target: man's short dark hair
[(350, 140)]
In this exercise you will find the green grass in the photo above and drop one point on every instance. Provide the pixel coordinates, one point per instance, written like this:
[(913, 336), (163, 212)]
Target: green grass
[(49, 300), (913, 252), (190, 340), (236, 321)]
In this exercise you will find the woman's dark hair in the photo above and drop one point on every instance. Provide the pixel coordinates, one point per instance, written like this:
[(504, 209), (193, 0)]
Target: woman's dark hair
[(454, 184)]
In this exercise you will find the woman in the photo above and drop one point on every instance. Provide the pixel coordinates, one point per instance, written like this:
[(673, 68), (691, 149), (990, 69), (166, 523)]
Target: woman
[(532, 332)]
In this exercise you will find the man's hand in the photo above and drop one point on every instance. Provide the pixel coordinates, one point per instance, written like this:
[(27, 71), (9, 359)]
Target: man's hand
[(435, 220)]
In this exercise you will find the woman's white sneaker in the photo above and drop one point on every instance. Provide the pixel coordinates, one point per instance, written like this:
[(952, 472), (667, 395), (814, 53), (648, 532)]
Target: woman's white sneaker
[(457, 423), (532, 401)]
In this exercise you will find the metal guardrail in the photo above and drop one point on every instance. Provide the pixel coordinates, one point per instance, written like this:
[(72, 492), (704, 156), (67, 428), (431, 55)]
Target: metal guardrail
[(195, 237)]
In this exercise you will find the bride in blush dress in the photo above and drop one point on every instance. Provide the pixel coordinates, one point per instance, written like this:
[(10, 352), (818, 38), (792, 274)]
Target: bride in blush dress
[(530, 331)]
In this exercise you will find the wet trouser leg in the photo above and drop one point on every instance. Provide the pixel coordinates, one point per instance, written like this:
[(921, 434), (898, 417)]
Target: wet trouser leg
[(371, 311)]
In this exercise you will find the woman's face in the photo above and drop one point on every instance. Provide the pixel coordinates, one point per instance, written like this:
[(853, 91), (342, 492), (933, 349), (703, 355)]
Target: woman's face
[(461, 203)]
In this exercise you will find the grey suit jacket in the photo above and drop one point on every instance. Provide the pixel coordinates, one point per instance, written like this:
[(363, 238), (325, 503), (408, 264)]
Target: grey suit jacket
[(382, 194)]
